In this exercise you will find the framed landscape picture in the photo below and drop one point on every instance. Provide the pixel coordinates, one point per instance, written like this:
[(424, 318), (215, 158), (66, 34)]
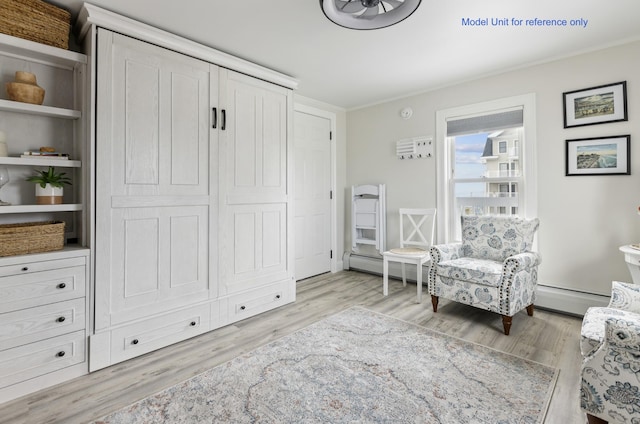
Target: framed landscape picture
[(599, 156), (595, 105)]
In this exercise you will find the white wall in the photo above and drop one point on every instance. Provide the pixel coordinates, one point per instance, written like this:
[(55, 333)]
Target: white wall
[(584, 219)]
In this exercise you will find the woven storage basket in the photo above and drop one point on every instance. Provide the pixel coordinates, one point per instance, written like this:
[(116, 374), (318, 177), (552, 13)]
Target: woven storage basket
[(31, 237), (35, 20)]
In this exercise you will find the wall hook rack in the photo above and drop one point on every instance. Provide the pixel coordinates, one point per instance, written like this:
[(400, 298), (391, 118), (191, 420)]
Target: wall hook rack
[(414, 148)]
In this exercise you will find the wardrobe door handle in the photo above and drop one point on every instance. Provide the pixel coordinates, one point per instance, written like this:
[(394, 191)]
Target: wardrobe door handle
[(224, 120), (215, 117)]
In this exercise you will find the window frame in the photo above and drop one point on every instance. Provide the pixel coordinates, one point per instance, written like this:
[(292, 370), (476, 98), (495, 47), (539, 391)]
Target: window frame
[(445, 154)]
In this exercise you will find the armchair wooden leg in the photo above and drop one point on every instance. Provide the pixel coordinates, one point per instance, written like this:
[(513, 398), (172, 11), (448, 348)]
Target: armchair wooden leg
[(530, 310), (506, 323), (434, 302), (595, 420)]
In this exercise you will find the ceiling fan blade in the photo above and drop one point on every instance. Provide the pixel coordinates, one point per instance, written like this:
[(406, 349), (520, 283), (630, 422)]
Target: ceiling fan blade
[(392, 3), (370, 13), (349, 6)]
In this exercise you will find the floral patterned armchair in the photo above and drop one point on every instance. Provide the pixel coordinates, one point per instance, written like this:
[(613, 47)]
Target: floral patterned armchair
[(610, 346), (493, 268)]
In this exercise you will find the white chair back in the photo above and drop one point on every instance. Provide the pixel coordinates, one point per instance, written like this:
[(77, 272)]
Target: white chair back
[(417, 227)]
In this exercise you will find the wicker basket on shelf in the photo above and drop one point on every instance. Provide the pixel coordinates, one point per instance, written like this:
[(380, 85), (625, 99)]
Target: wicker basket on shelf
[(37, 21), (31, 237)]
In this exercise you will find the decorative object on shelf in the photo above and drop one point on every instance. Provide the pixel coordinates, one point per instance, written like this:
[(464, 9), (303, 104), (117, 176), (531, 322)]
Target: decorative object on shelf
[(36, 20), (599, 156), (4, 151), (45, 152), (595, 105), (4, 179), (31, 237), (368, 14), (49, 186), (416, 147), (25, 89)]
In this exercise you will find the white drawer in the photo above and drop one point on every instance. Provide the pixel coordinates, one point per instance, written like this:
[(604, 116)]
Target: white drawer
[(247, 304), (148, 335), (27, 267), (33, 324), (40, 288), (35, 359)]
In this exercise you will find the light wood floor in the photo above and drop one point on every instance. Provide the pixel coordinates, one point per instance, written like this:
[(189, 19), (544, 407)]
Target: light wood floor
[(547, 337)]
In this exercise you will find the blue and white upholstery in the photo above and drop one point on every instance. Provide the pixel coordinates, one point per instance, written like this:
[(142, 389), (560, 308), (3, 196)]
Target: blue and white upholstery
[(610, 346), (493, 268)]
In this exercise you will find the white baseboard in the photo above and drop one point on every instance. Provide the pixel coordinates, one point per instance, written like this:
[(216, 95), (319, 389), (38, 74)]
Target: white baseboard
[(548, 297), (571, 302)]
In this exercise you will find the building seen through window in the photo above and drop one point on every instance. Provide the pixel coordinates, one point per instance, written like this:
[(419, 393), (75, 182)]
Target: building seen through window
[(487, 172)]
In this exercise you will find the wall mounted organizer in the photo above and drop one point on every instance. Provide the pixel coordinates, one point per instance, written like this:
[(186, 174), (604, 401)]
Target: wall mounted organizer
[(413, 148)]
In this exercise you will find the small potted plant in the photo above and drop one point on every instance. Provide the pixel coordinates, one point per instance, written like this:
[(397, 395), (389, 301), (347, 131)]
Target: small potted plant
[(49, 186)]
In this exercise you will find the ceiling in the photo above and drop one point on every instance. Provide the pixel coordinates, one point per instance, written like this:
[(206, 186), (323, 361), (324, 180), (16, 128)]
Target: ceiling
[(351, 69)]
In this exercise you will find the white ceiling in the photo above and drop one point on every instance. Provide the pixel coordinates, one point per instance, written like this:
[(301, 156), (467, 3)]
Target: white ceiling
[(349, 68)]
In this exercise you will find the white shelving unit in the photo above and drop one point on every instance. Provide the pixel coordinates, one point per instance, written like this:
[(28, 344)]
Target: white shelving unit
[(39, 351), (52, 112), (28, 126)]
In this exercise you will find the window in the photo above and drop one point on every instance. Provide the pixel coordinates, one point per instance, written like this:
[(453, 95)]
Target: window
[(486, 162)]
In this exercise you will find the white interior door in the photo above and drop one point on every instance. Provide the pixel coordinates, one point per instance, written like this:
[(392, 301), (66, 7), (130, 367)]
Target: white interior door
[(312, 186)]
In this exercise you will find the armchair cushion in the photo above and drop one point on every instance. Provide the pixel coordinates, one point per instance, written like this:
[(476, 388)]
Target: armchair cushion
[(480, 271), (497, 237)]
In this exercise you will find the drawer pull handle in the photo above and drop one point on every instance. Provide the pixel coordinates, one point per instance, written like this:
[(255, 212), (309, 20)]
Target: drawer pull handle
[(61, 285), (60, 354), (193, 323), (135, 341), (242, 308), (61, 319), (277, 296), (26, 268)]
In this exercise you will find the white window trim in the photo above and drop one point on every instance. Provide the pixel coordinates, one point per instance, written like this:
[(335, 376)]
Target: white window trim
[(444, 155)]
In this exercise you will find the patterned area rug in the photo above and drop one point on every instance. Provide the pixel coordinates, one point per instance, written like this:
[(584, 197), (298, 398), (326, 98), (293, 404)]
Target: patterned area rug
[(357, 366)]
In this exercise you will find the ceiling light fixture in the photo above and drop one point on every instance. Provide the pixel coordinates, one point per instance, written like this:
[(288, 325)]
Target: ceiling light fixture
[(368, 14)]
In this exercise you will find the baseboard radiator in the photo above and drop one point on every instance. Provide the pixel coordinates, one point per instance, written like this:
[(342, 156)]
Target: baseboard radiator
[(567, 301)]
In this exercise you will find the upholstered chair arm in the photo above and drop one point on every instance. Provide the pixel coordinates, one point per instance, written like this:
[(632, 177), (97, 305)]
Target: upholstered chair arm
[(518, 283), (625, 296), (624, 333), (522, 261), (610, 373), (445, 252)]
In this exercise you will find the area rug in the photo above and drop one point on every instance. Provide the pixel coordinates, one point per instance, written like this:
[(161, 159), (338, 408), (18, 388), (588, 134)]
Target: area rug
[(357, 366)]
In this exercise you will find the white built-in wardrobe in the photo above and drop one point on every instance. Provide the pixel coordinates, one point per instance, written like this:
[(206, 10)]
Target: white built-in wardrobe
[(191, 196)]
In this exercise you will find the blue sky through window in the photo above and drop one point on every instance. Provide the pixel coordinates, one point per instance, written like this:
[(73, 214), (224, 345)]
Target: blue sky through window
[(469, 163)]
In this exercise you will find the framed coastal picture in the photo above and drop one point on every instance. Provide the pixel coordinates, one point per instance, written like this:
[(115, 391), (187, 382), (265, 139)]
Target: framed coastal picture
[(599, 156), (595, 105)]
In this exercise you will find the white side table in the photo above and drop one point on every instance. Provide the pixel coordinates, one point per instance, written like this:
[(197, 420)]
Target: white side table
[(632, 257)]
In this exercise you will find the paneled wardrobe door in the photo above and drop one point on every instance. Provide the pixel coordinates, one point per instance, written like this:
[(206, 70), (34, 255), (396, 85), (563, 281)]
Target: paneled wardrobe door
[(153, 181), (255, 198)]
